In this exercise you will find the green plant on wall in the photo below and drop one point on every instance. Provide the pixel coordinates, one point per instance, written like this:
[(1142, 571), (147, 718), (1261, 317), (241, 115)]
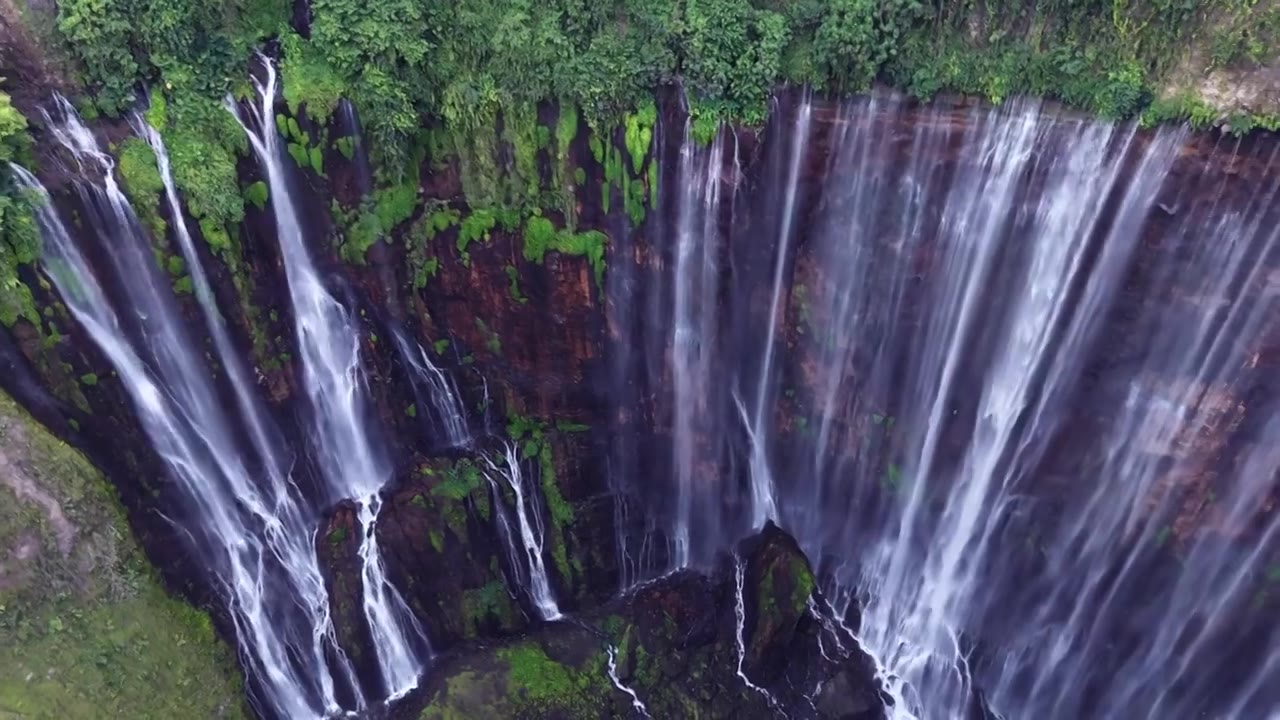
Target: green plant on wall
[(541, 237), (256, 194), (305, 152), (513, 284), (422, 263), (19, 239)]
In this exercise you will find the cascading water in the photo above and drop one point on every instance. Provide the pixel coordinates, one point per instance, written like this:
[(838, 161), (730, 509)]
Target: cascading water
[(970, 308), (1003, 373), (695, 288), (740, 626), (934, 579), (245, 528), (353, 466), (437, 392), (759, 424), (290, 536), (528, 567), (636, 703)]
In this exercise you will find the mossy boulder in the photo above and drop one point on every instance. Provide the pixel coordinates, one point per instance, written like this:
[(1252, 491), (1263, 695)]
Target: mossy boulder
[(778, 585), (556, 674), (674, 643), (441, 546)]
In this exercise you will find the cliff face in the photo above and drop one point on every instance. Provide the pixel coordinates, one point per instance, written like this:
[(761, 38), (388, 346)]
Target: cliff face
[(567, 350)]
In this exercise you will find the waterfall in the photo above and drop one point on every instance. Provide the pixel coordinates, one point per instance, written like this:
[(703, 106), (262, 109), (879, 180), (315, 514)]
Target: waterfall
[(1033, 239), (917, 613), (353, 466), (1002, 372), (244, 523), (437, 392), (636, 703), (1007, 375), (531, 530), (693, 332), (291, 536), (763, 503)]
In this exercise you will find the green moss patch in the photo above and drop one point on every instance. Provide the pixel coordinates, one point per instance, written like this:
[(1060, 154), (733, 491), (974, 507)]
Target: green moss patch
[(541, 237), (524, 680)]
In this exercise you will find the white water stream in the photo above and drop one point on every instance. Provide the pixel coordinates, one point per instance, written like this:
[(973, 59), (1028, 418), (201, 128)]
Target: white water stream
[(353, 465), (251, 525), (528, 563)]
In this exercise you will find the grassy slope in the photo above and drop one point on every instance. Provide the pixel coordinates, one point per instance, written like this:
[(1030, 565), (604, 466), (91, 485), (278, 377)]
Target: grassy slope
[(86, 630)]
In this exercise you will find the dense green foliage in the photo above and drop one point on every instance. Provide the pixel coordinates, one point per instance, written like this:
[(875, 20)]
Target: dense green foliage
[(468, 64), (192, 52), (19, 241)]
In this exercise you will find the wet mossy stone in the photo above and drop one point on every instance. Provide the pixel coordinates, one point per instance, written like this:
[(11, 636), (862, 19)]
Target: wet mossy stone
[(674, 644), (778, 583), (851, 695)]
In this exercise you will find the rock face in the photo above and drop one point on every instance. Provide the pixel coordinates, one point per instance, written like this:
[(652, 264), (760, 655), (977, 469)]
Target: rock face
[(674, 643), (576, 373), (778, 585)]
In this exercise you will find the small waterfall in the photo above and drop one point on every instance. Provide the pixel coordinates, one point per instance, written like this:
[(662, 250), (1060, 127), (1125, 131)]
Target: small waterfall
[(531, 531), (359, 152), (354, 467), (740, 633), (636, 704), (763, 502), (694, 329), (247, 527), (436, 391), (292, 533)]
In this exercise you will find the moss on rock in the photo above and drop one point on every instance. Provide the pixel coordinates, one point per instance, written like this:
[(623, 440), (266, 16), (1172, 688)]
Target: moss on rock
[(674, 644), (779, 586)]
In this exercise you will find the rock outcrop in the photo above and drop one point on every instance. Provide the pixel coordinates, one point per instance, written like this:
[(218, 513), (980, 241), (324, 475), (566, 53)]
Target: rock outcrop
[(674, 643)]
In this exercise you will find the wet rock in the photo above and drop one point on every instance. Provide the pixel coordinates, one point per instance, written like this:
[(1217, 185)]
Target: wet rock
[(675, 641), (441, 547), (850, 695), (778, 584)]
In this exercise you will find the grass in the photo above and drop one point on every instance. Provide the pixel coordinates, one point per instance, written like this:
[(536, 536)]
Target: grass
[(536, 678), (91, 633)]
